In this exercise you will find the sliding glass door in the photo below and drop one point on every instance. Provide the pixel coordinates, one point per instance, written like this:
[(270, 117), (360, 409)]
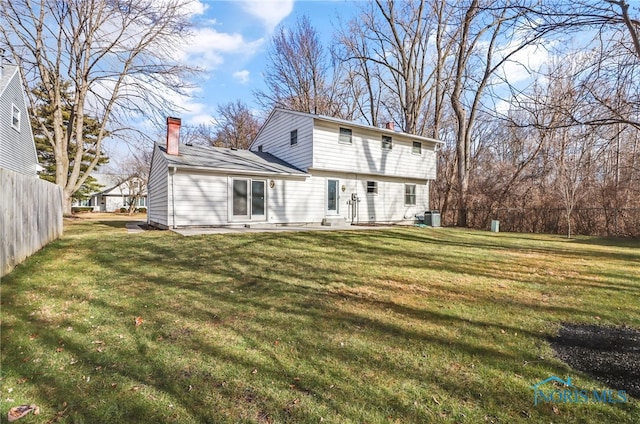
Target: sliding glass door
[(248, 199)]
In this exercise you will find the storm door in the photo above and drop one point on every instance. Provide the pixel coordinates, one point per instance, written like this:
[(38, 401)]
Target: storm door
[(257, 200), (332, 197)]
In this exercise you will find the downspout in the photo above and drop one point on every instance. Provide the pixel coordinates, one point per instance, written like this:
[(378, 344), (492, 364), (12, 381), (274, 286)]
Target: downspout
[(173, 197), (357, 205)]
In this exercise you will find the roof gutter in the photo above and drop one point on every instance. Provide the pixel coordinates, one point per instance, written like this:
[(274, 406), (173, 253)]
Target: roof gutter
[(239, 171)]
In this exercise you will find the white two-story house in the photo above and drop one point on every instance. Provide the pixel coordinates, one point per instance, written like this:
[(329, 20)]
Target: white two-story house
[(301, 169)]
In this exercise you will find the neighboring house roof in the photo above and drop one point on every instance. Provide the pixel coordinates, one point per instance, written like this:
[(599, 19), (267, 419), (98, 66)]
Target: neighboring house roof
[(110, 182), (345, 123), (107, 181), (229, 160)]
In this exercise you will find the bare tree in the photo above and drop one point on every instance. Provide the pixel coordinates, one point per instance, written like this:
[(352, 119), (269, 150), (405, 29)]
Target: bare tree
[(297, 75), (236, 126), (610, 66), (117, 55), (487, 39), (391, 49), (201, 134), (571, 16), (133, 176)]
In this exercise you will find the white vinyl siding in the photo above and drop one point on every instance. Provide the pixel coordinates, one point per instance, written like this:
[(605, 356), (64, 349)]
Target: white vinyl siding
[(297, 201), (366, 156), (201, 199), (17, 148), (158, 190), (275, 138), (389, 204)]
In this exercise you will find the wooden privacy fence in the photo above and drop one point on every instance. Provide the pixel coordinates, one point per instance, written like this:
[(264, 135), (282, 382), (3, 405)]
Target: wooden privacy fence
[(30, 216)]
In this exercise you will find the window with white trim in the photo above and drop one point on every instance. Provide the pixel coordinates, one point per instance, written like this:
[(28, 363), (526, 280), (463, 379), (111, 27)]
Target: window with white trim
[(293, 137), (387, 142), (410, 194), (345, 135), (416, 149), (15, 117), (372, 187)]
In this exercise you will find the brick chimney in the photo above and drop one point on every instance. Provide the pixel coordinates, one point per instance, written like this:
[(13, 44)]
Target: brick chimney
[(389, 126), (173, 135)]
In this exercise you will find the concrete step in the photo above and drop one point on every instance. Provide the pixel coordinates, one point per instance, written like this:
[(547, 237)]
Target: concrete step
[(335, 221)]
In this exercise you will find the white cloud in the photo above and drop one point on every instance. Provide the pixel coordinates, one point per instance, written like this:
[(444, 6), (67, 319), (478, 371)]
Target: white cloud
[(203, 118), (196, 7), (527, 60), (241, 76), (208, 47), (270, 12)]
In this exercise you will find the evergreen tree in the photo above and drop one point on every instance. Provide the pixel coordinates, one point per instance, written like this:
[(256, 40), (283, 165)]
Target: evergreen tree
[(46, 156)]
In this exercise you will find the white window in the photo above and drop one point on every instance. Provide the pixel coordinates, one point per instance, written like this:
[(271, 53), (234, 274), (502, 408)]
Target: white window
[(410, 194), (293, 138), (416, 149), (345, 135), (386, 142), (372, 187), (15, 118)]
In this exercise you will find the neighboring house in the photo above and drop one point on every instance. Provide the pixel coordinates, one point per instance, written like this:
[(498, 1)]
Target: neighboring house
[(301, 169), (117, 192), (17, 148)]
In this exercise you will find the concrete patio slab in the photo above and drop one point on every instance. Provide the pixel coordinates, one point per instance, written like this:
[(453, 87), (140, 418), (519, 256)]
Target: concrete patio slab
[(194, 231)]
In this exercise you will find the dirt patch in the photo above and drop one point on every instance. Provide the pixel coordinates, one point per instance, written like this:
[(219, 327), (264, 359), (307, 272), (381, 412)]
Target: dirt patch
[(611, 355)]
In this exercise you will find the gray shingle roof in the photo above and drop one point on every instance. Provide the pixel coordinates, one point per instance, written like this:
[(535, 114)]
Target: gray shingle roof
[(223, 159)]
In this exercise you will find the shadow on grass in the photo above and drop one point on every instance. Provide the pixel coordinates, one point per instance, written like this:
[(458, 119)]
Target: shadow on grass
[(114, 224), (273, 328)]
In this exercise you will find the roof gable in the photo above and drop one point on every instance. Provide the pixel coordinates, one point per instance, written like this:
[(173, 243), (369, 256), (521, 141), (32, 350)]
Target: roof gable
[(7, 73), (17, 146)]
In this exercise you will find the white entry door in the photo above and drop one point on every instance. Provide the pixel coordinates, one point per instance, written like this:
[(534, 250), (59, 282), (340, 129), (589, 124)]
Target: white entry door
[(332, 197)]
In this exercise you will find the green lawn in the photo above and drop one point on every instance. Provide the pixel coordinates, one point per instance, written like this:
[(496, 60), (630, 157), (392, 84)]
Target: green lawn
[(409, 325)]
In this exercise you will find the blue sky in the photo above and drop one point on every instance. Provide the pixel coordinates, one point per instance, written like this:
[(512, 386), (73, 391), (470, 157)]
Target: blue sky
[(231, 41)]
